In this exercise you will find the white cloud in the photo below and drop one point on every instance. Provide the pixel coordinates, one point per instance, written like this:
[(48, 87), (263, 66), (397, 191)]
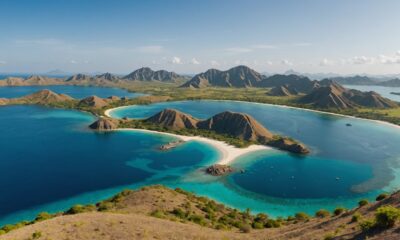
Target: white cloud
[(326, 62), (176, 60), (73, 62), (194, 61), (238, 50), (286, 62), (214, 63), (361, 60), (150, 49), (390, 59)]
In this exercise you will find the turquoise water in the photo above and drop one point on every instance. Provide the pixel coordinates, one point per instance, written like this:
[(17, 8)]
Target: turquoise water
[(384, 91), (73, 91), (50, 160)]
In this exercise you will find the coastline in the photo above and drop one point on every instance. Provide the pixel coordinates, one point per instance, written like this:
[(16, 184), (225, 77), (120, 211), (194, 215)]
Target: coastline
[(107, 112), (228, 152)]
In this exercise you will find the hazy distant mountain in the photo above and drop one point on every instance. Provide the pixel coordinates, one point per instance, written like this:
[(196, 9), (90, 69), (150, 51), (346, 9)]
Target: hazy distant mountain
[(292, 83), (390, 83), (355, 80), (240, 76), (147, 74), (333, 95)]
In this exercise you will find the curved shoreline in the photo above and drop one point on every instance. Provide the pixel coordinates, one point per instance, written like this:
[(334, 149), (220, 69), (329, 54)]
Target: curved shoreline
[(107, 112), (228, 152)]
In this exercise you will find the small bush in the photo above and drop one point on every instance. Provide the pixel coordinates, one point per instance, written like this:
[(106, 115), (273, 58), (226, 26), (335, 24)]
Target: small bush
[(179, 213), (356, 217), (386, 216), (301, 216), (329, 236), (363, 202), (322, 213), (339, 210), (157, 214), (381, 196), (36, 235), (367, 225), (244, 227), (257, 225), (197, 219), (104, 206), (76, 209), (43, 216), (271, 223)]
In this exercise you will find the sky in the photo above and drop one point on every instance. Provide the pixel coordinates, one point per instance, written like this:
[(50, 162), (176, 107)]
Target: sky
[(190, 36)]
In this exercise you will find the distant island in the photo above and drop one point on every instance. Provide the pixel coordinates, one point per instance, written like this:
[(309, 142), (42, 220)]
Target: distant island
[(395, 93), (238, 83)]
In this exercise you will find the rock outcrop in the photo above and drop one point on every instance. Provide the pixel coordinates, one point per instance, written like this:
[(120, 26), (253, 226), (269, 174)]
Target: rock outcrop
[(147, 74), (240, 76), (104, 124), (289, 145), (219, 170), (3, 101), (93, 101)]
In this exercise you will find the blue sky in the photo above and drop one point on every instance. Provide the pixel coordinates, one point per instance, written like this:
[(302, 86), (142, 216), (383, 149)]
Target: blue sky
[(341, 36)]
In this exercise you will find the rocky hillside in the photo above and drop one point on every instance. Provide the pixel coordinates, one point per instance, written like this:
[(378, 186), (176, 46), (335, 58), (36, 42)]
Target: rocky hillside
[(237, 125), (41, 97), (160, 213), (147, 74), (333, 95), (104, 124), (174, 119), (94, 101), (30, 81), (240, 76), (294, 84)]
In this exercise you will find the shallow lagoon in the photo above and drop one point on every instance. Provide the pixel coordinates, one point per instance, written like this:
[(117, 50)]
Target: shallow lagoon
[(37, 162)]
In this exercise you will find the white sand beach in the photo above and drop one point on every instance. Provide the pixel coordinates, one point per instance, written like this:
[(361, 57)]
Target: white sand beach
[(228, 152)]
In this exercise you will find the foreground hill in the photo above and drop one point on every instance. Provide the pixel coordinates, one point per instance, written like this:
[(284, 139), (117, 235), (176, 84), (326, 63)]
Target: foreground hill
[(240, 76), (160, 213), (333, 95), (147, 74), (237, 125)]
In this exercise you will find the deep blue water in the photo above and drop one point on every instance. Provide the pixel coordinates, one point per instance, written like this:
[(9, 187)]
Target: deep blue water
[(73, 91), (49, 155)]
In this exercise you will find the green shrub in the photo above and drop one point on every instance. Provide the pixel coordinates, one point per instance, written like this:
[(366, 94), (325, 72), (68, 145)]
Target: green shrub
[(366, 225), (363, 202), (261, 217), (2, 232), (8, 228), (339, 210), (322, 213), (329, 236), (381, 196), (258, 225), (386, 216), (36, 235), (271, 223), (244, 227), (43, 216), (76, 209), (301, 216), (179, 213), (197, 219), (157, 214), (356, 217), (104, 206)]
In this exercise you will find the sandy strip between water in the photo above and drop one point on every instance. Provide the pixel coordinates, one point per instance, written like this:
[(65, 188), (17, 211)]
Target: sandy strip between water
[(228, 152)]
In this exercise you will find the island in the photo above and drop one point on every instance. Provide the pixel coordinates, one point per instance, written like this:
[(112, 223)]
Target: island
[(395, 93)]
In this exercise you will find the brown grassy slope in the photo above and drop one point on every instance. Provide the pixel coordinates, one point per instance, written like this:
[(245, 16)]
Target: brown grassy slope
[(130, 218)]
